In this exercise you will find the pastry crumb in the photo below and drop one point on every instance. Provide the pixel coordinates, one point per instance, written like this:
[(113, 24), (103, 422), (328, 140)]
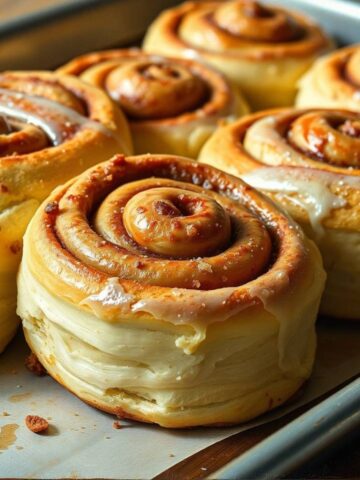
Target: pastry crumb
[(15, 247), (34, 366), (36, 424), (117, 425), (52, 207)]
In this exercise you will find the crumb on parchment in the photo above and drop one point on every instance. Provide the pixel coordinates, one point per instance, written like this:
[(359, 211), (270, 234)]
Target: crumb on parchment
[(36, 424), (34, 366), (117, 425)]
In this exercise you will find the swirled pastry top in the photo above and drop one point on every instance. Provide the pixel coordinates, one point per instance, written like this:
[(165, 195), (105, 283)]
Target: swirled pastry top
[(166, 239), (316, 154), (240, 28), (155, 89), (52, 127), (333, 81)]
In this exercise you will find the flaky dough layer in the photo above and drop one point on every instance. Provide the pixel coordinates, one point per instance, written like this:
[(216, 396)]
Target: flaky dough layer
[(52, 128), (177, 338)]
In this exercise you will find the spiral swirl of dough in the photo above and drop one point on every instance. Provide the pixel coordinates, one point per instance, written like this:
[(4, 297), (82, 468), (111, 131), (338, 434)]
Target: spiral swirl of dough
[(52, 127), (156, 90), (309, 162), (326, 139), (157, 231), (333, 81), (184, 273), (240, 22), (172, 104), (262, 49)]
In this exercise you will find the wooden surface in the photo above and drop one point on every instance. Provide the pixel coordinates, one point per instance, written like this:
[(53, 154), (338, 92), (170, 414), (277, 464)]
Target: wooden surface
[(341, 463)]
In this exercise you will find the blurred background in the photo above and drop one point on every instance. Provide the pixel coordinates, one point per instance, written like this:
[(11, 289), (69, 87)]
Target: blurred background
[(46, 33)]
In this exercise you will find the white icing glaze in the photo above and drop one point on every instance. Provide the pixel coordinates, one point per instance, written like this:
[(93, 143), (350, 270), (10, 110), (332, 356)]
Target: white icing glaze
[(264, 132), (191, 54), (51, 116), (155, 58), (190, 307), (137, 362), (307, 188), (185, 306), (292, 347), (204, 266), (111, 296), (144, 362)]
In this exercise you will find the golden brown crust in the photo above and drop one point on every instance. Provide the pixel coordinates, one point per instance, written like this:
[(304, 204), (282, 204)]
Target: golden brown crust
[(66, 226), (160, 94), (52, 127), (101, 129), (170, 81), (323, 140), (307, 161), (300, 37), (333, 81), (262, 49), (131, 248)]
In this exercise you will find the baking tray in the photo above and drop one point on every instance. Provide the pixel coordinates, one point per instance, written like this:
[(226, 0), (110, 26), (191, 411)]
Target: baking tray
[(42, 34), (325, 425), (340, 18), (81, 442), (300, 440), (56, 32), (46, 33)]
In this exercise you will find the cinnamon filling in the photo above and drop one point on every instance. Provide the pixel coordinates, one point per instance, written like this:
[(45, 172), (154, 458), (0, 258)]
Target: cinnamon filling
[(199, 227), (162, 231), (18, 138), (49, 116), (331, 137), (148, 90), (351, 69), (255, 22)]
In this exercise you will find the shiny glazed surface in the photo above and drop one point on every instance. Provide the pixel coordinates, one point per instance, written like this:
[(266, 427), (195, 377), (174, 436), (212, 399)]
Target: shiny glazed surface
[(132, 250)]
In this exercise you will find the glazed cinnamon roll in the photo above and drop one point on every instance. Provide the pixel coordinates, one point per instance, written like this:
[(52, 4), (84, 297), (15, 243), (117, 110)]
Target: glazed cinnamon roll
[(173, 105), (333, 81), (309, 162), (262, 49), (164, 290), (52, 127)]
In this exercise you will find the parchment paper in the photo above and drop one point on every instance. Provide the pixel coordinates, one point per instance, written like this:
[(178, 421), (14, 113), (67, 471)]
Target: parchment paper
[(82, 443)]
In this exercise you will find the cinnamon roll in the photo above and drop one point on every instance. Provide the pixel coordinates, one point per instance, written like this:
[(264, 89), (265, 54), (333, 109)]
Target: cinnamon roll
[(52, 127), (333, 81), (173, 105), (309, 162), (262, 49), (166, 291)]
